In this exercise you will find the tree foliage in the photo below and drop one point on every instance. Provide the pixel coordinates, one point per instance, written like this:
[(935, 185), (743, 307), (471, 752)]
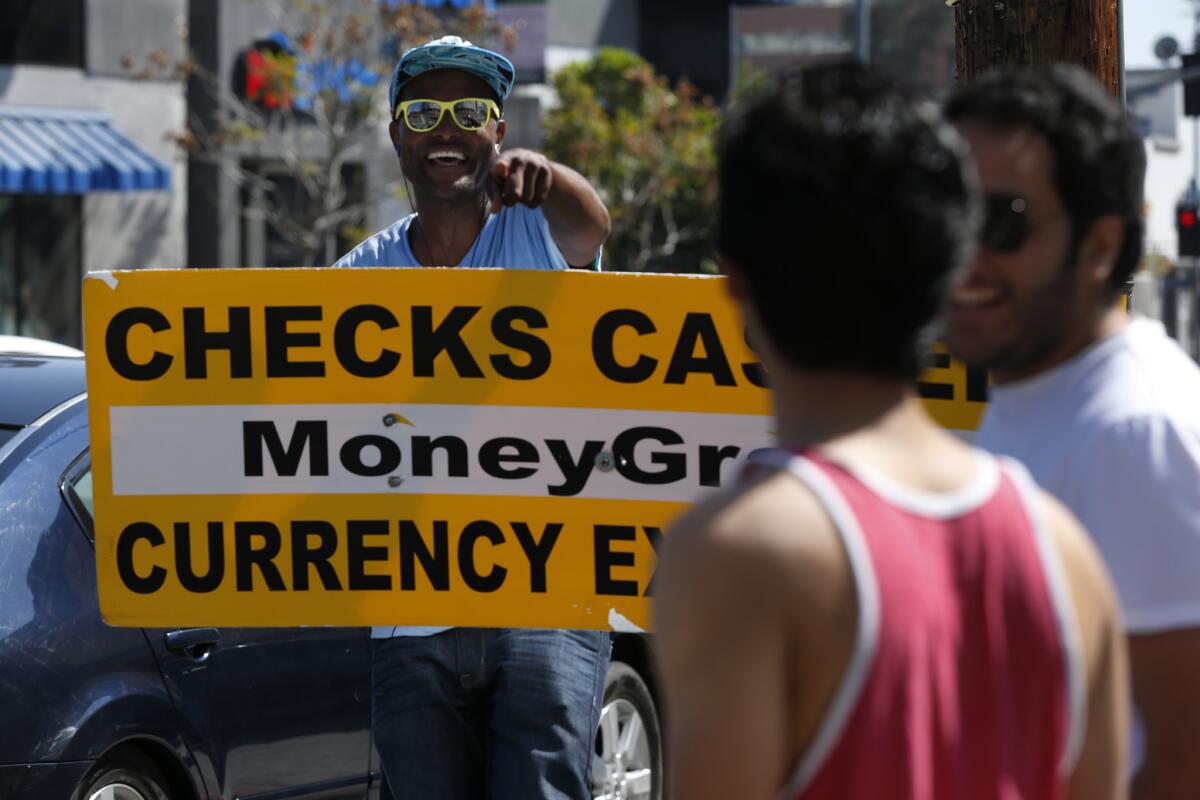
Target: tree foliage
[(648, 148)]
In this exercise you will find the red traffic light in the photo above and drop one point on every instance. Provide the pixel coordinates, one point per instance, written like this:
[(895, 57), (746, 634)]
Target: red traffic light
[(1187, 218)]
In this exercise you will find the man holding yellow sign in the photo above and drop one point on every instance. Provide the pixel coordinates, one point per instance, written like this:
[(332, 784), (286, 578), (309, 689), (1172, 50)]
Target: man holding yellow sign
[(471, 712), (492, 449)]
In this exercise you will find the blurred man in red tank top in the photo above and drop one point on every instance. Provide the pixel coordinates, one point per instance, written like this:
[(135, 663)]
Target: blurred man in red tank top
[(878, 610)]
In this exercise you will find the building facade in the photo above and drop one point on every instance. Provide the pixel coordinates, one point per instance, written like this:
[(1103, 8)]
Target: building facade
[(246, 200), (1155, 99), (1168, 283), (89, 177)]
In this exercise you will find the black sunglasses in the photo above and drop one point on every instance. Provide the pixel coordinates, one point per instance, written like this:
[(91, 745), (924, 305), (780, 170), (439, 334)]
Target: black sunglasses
[(1005, 224)]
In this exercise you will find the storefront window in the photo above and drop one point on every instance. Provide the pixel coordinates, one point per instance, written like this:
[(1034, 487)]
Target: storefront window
[(279, 216), (41, 32), (40, 272)]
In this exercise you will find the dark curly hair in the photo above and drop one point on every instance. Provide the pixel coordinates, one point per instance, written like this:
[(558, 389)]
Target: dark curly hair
[(1099, 158), (849, 208)]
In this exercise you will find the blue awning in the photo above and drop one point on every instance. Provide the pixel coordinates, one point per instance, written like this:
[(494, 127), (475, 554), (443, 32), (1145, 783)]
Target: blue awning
[(71, 151)]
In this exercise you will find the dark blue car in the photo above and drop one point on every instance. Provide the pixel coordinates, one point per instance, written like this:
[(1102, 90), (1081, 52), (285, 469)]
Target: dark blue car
[(101, 713), (93, 712)]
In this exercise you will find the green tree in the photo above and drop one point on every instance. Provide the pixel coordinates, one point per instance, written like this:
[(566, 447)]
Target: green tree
[(649, 149)]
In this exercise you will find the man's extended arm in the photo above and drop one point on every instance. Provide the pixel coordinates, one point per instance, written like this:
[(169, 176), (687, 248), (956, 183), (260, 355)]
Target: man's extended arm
[(1167, 697), (579, 222), (1164, 636)]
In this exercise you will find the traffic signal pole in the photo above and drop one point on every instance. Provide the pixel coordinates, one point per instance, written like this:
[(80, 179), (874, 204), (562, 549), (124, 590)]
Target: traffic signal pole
[(862, 31), (1183, 275), (993, 33)]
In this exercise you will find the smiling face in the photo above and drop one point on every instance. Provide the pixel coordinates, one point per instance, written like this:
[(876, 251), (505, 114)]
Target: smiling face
[(1020, 312), (447, 163)]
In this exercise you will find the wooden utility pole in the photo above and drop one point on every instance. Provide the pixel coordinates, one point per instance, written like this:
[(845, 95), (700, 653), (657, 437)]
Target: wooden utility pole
[(992, 33)]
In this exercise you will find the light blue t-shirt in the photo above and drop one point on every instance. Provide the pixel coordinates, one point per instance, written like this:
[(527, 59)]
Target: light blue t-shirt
[(516, 238)]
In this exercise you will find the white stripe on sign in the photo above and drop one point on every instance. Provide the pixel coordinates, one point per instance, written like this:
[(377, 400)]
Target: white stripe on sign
[(428, 450)]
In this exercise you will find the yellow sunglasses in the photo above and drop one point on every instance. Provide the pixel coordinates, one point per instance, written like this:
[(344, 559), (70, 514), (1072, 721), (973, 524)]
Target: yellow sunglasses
[(469, 113)]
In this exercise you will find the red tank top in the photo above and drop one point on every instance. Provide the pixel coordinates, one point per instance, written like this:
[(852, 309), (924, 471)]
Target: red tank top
[(966, 679)]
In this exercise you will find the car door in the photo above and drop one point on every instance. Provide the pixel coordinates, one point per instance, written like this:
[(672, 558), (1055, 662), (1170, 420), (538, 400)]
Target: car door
[(283, 712)]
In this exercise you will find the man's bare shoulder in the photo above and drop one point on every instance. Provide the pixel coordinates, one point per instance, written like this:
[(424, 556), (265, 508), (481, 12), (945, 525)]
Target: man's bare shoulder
[(743, 650), (770, 515), (770, 535)]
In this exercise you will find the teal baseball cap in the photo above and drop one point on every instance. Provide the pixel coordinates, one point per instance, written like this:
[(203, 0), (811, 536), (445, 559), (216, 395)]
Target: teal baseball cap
[(453, 52)]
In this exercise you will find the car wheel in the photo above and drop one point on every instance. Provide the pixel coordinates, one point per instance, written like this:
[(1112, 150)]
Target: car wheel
[(129, 776), (628, 760)]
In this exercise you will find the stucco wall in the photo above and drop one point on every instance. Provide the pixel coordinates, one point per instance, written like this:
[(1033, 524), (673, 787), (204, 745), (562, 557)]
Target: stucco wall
[(134, 28), (592, 23), (121, 229)]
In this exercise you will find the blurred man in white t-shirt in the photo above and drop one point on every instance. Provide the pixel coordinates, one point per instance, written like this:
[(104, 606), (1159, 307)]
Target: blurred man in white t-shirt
[(1102, 408)]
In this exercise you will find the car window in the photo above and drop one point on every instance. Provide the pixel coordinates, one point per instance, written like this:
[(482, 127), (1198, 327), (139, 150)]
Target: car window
[(83, 489), (76, 486)]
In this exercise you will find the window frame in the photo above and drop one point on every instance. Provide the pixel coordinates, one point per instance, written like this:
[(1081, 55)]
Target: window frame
[(75, 503)]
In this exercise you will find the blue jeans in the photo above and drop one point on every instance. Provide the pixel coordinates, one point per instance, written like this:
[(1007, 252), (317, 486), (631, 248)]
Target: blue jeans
[(474, 713)]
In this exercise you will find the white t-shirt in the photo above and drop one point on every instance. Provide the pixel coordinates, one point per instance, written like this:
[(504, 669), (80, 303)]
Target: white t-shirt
[(1114, 433)]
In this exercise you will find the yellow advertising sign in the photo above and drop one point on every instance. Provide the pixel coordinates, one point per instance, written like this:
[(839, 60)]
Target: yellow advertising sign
[(412, 446)]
